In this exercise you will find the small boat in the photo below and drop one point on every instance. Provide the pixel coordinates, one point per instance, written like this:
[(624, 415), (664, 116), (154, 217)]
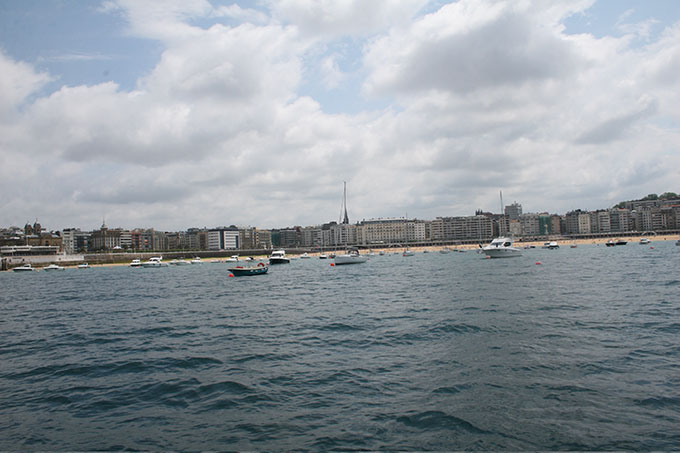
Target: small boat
[(53, 267), (196, 260), (551, 245), (612, 242), (305, 256), (501, 247), (84, 266), (232, 259), (381, 253), (644, 241), (677, 242), (24, 268), (278, 257), (323, 256), (408, 252), (239, 271), (155, 261), (573, 246), (351, 256), (445, 250), (177, 262), (136, 263)]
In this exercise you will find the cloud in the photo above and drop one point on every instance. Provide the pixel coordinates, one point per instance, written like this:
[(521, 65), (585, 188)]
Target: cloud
[(478, 97)]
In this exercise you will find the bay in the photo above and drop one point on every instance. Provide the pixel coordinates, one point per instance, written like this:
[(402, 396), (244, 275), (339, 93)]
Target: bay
[(430, 352)]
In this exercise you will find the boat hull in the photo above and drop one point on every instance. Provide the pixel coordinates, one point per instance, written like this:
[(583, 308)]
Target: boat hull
[(349, 259), (247, 271), (279, 260), (502, 253)]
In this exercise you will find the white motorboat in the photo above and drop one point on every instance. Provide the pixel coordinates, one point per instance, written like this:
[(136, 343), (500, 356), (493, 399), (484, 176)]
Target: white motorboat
[(501, 247), (136, 263), (352, 256), (278, 257), (551, 245), (305, 256), (408, 252), (177, 262), (84, 266), (232, 259), (53, 267), (196, 260), (644, 241), (155, 261), (323, 256), (24, 268)]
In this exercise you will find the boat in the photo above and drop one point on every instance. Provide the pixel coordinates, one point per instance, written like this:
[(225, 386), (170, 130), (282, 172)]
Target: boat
[(677, 242), (351, 256), (278, 257), (239, 271), (24, 268), (612, 242), (196, 260), (445, 250), (305, 256), (551, 245), (155, 261), (501, 247), (136, 263), (644, 241), (84, 266), (53, 267), (181, 262), (408, 252), (323, 256), (232, 259)]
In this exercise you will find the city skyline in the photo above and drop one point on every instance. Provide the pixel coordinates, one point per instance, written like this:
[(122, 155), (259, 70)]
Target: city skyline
[(187, 113)]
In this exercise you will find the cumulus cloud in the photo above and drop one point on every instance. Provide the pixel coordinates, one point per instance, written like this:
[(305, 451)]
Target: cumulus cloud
[(477, 96)]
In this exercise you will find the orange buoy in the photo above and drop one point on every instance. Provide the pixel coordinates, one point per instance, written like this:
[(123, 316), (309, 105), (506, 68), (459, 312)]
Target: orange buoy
[(231, 275), (538, 263), (652, 248), (332, 264)]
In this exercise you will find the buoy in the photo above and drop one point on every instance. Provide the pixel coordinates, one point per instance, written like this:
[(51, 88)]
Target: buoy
[(538, 263), (231, 275), (332, 264), (652, 248)]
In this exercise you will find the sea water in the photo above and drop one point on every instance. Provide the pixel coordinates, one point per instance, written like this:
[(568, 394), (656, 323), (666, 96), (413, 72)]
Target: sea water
[(430, 352)]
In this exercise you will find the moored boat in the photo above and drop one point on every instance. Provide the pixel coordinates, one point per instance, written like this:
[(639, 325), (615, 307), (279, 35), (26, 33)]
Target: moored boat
[(155, 261), (136, 263), (501, 247), (239, 271), (84, 266), (551, 245), (178, 262), (644, 241), (351, 256), (612, 242), (24, 268), (53, 267), (196, 260), (278, 257)]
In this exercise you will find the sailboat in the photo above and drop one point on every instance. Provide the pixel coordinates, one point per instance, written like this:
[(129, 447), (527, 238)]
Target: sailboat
[(351, 255)]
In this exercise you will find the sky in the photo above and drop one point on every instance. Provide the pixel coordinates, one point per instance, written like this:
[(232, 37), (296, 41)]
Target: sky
[(200, 113)]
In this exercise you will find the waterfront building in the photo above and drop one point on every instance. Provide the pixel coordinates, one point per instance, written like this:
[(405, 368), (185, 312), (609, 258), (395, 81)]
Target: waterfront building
[(531, 225), (223, 238), (513, 211), (621, 220), (74, 240)]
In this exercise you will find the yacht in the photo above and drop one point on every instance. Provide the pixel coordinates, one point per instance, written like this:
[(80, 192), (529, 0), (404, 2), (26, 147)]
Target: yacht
[(136, 263), (232, 259), (351, 256), (305, 256), (155, 261), (323, 256), (501, 248), (196, 260), (278, 257), (181, 262), (24, 268), (53, 267), (551, 245), (408, 252), (644, 241), (83, 266)]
